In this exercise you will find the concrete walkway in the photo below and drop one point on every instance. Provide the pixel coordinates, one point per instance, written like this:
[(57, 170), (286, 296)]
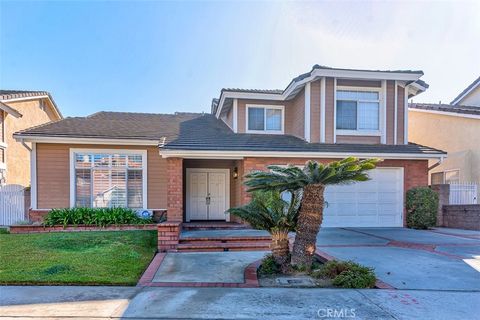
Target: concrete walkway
[(221, 267), (234, 303), (443, 259)]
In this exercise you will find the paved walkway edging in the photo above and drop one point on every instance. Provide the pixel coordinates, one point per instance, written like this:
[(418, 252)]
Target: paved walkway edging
[(250, 277)]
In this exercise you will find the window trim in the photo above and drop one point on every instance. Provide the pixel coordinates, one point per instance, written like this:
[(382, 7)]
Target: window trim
[(361, 132), (265, 107), (144, 169)]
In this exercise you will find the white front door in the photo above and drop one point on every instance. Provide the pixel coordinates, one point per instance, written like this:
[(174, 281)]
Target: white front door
[(374, 203), (207, 196)]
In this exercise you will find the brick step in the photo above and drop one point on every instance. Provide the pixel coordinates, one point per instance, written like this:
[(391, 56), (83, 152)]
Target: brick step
[(220, 246), (224, 239), (213, 226)]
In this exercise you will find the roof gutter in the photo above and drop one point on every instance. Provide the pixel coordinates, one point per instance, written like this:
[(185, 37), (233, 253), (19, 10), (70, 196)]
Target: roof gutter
[(214, 154), (83, 140)]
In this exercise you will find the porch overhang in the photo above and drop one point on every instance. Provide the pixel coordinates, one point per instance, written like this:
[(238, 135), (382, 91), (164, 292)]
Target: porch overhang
[(240, 154)]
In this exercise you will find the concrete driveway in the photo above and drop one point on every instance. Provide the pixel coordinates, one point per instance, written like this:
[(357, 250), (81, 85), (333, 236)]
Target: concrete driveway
[(440, 259)]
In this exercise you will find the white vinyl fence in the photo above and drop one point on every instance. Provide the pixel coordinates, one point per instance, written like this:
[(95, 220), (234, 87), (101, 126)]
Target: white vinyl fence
[(12, 204), (463, 193)]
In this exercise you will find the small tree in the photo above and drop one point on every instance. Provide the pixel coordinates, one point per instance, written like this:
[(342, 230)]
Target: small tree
[(268, 211), (422, 206), (312, 180)]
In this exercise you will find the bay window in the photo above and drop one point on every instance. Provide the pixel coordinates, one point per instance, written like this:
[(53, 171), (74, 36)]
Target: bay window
[(358, 110), (107, 179), (265, 119)]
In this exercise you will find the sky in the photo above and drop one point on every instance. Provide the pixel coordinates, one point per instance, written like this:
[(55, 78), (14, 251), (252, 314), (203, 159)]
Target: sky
[(162, 57)]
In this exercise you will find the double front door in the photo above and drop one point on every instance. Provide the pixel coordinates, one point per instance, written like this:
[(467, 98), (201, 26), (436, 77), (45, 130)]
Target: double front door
[(207, 194)]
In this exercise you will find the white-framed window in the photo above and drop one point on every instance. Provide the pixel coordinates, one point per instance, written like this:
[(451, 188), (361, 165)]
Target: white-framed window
[(265, 119), (358, 111), (447, 176), (108, 178)]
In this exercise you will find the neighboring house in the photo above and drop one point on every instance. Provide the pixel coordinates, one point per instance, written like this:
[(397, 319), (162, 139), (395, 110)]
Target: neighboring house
[(20, 110), (192, 165), (470, 96), (452, 127)]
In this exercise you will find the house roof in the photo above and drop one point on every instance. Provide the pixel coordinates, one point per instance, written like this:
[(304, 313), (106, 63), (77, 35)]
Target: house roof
[(6, 95), (196, 131), (467, 90), (114, 125), (209, 133), (458, 109), (296, 84)]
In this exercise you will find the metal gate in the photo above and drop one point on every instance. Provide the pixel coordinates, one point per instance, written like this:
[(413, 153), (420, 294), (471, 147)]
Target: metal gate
[(463, 193)]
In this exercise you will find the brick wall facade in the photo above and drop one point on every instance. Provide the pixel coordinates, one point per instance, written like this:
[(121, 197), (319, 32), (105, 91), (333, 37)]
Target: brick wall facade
[(175, 190), (415, 171)]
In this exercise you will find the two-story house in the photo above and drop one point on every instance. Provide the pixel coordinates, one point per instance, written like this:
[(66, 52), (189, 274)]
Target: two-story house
[(192, 165), (20, 110)]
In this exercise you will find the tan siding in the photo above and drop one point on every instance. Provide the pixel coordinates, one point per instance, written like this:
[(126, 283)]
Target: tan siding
[(2, 137), (53, 175), (359, 83), (17, 156), (358, 139), (315, 111), (390, 111), (242, 110), (400, 115), (295, 116), (229, 118), (329, 106)]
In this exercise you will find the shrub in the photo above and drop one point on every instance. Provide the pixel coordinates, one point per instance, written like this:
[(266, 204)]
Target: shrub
[(4, 231), (347, 274), (269, 266), (93, 216), (422, 206)]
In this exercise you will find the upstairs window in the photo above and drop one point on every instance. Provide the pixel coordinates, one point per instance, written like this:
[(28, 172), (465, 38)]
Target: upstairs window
[(358, 110), (265, 119)]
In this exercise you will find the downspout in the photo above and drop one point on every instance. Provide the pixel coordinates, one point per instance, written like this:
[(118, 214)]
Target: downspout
[(433, 166)]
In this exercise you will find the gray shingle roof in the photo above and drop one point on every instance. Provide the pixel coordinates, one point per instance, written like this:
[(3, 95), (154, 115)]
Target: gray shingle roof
[(209, 133), (472, 110), (115, 125), (14, 94), (195, 131)]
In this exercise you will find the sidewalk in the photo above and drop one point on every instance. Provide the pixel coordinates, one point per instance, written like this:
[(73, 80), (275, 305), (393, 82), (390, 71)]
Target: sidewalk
[(235, 303)]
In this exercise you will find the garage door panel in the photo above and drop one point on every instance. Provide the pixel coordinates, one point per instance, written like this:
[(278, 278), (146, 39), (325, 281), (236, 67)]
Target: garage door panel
[(375, 203)]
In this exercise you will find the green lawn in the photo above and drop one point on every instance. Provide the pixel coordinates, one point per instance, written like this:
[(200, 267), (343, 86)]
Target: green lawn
[(106, 257)]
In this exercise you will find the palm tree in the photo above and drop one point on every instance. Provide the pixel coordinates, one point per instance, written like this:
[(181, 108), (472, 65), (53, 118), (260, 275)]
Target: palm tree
[(312, 179), (268, 211)]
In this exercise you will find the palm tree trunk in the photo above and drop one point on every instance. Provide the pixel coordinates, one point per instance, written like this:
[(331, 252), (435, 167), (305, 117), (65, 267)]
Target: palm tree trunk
[(309, 220), (280, 248)]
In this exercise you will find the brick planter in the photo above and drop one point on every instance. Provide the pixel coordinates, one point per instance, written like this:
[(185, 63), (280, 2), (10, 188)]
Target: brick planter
[(79, 228), (168, 235)]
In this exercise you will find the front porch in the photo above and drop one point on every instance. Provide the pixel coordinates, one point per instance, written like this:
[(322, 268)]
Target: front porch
[(202, 190)]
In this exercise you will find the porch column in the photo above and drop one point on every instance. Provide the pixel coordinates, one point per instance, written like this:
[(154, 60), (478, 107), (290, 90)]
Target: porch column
[(175, 190)]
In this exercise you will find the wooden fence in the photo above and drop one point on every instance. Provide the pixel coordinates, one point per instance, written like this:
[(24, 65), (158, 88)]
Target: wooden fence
[(12, 204)]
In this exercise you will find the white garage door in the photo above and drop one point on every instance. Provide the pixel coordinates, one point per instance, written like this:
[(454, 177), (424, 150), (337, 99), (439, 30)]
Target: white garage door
[(374, 203)]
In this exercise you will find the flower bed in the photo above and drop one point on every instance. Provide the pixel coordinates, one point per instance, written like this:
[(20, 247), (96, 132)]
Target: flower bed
[(78, 228)]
